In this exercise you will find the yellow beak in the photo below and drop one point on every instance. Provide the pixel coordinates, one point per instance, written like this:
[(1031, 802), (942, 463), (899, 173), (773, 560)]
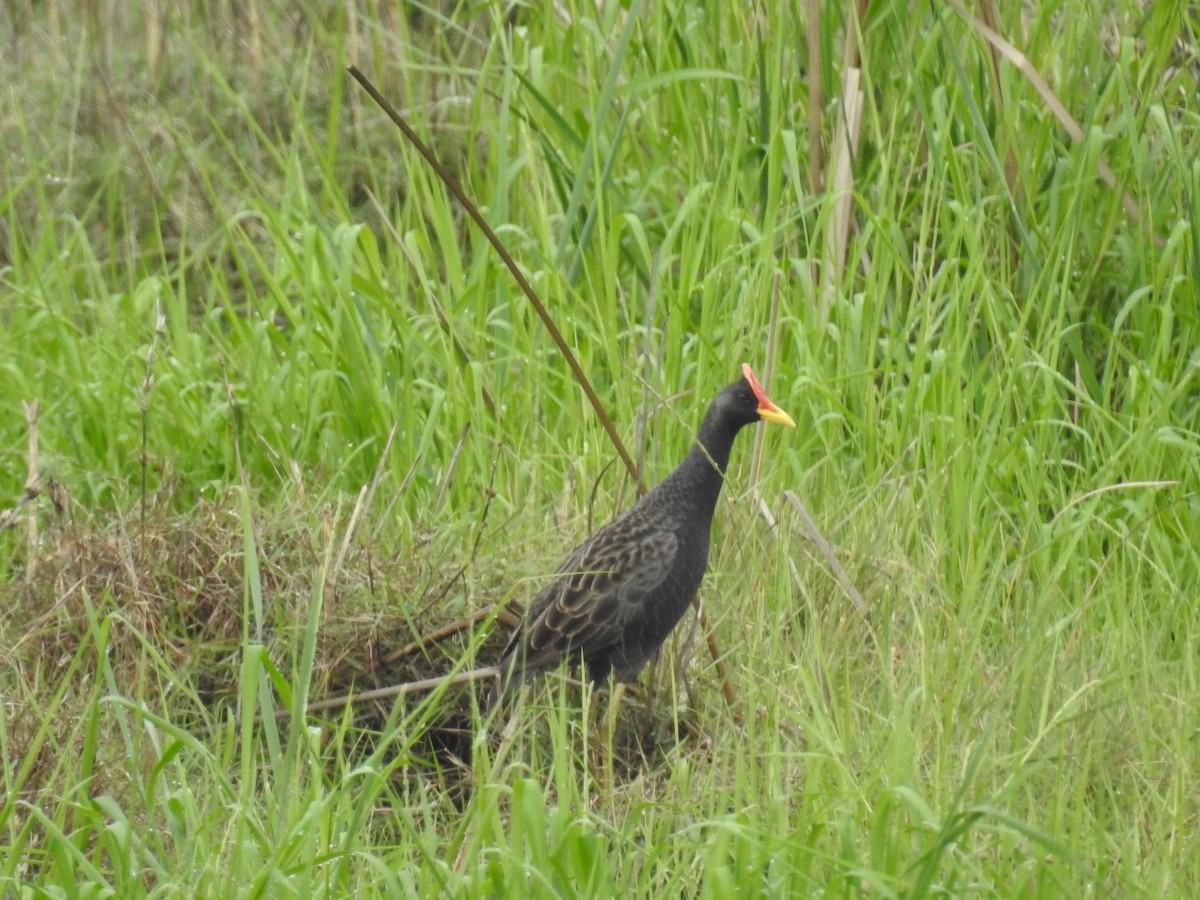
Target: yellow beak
[(774, 414)]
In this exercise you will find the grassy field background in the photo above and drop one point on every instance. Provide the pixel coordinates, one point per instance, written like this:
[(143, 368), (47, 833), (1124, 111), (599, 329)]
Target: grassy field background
[(293, 416)]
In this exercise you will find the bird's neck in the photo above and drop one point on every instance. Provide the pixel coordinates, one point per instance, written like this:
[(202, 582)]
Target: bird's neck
[(703, 469)]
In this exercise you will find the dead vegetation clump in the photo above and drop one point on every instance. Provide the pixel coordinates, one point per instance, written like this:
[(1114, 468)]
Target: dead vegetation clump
[(161, 610)]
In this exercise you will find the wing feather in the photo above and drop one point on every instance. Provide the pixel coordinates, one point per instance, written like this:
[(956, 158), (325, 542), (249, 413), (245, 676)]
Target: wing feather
[(595, 594)]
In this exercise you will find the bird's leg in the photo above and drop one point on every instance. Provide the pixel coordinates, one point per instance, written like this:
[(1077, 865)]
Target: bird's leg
[(598, 753), (610, 718), (652, 687), (509, 733), (603, 733)]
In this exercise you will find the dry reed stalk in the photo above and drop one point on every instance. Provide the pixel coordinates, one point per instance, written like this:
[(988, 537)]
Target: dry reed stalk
[(33, 487), (816, 95), (1056, 106)]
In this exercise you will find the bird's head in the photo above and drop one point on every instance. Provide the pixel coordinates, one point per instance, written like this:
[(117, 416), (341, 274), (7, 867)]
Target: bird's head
[(763, 407), (745, 402)]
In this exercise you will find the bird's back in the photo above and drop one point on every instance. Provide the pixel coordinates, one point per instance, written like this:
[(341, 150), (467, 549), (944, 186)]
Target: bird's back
[(619, 594)]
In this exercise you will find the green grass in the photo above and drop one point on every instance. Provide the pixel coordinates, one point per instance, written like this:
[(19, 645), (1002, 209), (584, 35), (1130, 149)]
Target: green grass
[(999, 435)]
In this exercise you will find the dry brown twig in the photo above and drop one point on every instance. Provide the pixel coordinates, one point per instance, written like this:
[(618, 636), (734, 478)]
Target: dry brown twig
[(504, 616), (398, 690), (472, 210), (814, 534)]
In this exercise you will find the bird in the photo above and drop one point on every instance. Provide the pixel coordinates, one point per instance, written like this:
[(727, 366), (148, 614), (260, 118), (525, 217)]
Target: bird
[(620, 593)]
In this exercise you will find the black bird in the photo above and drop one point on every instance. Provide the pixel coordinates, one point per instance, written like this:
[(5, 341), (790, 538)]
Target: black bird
[(621, 592)]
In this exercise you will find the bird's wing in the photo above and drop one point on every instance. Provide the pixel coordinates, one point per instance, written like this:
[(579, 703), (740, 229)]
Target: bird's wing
[(595, 593)]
